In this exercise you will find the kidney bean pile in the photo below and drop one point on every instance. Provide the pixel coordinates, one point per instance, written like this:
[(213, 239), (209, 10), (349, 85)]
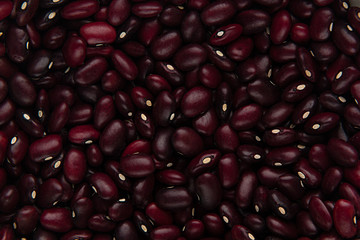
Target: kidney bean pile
[(179, 119)]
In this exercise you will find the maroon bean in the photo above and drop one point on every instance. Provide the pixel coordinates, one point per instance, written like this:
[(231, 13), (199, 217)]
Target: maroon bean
[(225, 34), (240, 49), (253, 21), (344, 218), (3, 146), (282, 228), (324, 51), (91, 72), (144, 124), (283, 156), (56, 219), (207, 123), (6, 7), (342, 152), (83, 134), (279, 137), (113, 169), (331, 180), (213, 224), (209, 76), (277, 114), (137, 146), (165, 45), (75, 166), (226, 138), (321, 123), (9, 199), (300, 33), (100, 223), (143, 191), (118, 12), (229, 214), (187, 142), (353, 175), (104, 186), (147, 10), (166, 232), (124, 65), (7, 111), (26, 219), (321, 24), (259, 92), (17, 148), (197, 52), (44, 149), (250, 153), (29, 123), (112, 139), (157, 84), (169, 72), (126, 230), (350, 193), (59, 117), (161, 145), (192, 29), (157, 215), (306, 225), (149, 30), (194, 229), (173, 198), (283, 53), (245, 189), (217, 12), (320, 214), (310, 176), (306, 64), (120, 210), (208, 189), (344, 38), (253, 114), (137, 165), (50, 192), (344, 79), (291, 186), (22, 90), (280, 27), (80, 9), (239, 232), (172, 16), (171, 177), (164, 108), (74, 50), (98, 33), (81, 234)]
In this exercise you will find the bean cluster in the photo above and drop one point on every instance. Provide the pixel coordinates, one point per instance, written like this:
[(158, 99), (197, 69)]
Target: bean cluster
[(179, 119)]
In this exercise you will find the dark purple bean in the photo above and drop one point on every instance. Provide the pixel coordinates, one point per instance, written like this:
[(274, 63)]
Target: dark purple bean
[(173, 198), (91, 72), (83, 134), (228, 170), (253, 21), (342, 152), (54, 38), (283, 156), (74, 51), (344, 79), (144, 124), (306, 225), (277, 114), (171, 177), (61, 93), (283, 53), (187, 142), (111, 81), (240, 49), (26, 219), (321, 24), (263, 92), (172, 16), (6, 7), (149, 30), (239, 232), (50, 192), (112, 139), (320, 214), (192, 29), (321, 123), (305, 109), (3, 148), (280, 27), (331, 180), (80, 9), (325, 52), (207, 123), (291, 186), (147, 10), (209, 76), (104, 186), (113, 169), (350, 193), (182, 61), (281, 227), (59, 117), (142, 192), (29, 123), (101, 223), (75, 166), (310, 176), (52, 167), (280, 137), (18, 147), (44, 149), (250, 153), (217, 12), (7, 111), (208, 189), (22, 90), (225, 34), (124, 65), (120, 210), (165, 45), (80, 234), (141, 98), (246, 117), (226, 138), (137, 165), (126, 230), (161, 145), (213, 224), (194, 229), (344, 38), (157, 84), (165, 232), (9, 199), (229, 214), (351, 114), (306, 64), (164, 109), (344, 218), (245, 189), (352, 175)]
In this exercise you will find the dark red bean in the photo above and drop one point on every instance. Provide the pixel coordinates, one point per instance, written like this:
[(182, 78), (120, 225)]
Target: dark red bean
[(291, 186), (192, 28), (187, 142), (245, 189), (137, 165), (126, 230), (324, 51), (144, 124), (226, 138), (344, 218), (225, 34), (161, 144), (213, 224), (246, 117), (208, 189), (350, 193), (91, 72), (59, 117), (283, 53), (80, 9), (253, 21), (353, 175), (281, 227), (283, 156), (120, 210), (331, 179), (194, 229), (17, 148), (49, 193), (147, 10), (3, 148), (6, 7), (98, 33), (217, 12), (342, 152), (104, 186), (9, 199), (279, 137), (113, 169), (44, 149), (124, 65), (306, 64), (74, 50), (157, 84), (344, 79), (306, 225), (83, 134), (75, 166), (171, 177), (81, 234), (320, 214), (321, 123), (166, 232), (7, 111), (118, 12), (26, 219), (229, 214), (250, 153), (280, 27), (101, 223), (165, 45), (207, 123), (239, 232), (143, 191), (173, 198), (321, 24), (277, 114), (240, 49), (112, 139), (149, 30), (157, 215), (344, 38), (209, 76), (22, 90), (310, 176), (172, 16), (300, 33), (198, 53), (56, 219)]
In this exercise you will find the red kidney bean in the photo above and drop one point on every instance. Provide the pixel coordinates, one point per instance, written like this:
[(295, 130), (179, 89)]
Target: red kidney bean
[(197, 52), (157, 84), (143, 191), (126, 230), (259, 92), (147, 10), (310, 176), (148, 31), (113, 169), (194, 229), (187, 142), (240, 232), (217, 12), (104, 111), (253, 21), (100, 222), (124, 65), (142, 98), (3, 89), (226, 138), (144, 124), (59, 117), (118, 12), (352, 175), (320, 214), (344, 79), (228, 170), (7, 111), (350, 193), (280, 27), (26, 219), (9, 199), (164, 109), (333, 102), (282, 228), (229, 214), (306, 64), (321, 24), (74, 50), (331, 180), (161, 144), (104, 186), (83, 134), (207, 123), (80, 9), (342, 152), (112, 139), (41, 63), (137, 165), (111, 81), (98, 33), (6, 7), (306, 225), (324, 51), (137, 146), (209, 76), (277, 114), (81, 234), (245, 189), (250, 153), (166, 232), (22, 90), (321, 123), (351, 112), (157, 215), (52, 167), (304, 109), (192, 29), (213, 224), (240, 49), (50, 192), (91, 72), (29, 123), (281, 206), (75, 166), (165, 45), (253, 114), (279, 137), (25, 12), (225, 34), (172, 16), (17, 148), (80, 114), (173, 198), (344, 38), (269, 176), (344, 218), (44, 149), (283, 53), (82, 210), (61, 93), (283, 156), (120, 210), (300, 33), (208, 189), (291, 186)]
